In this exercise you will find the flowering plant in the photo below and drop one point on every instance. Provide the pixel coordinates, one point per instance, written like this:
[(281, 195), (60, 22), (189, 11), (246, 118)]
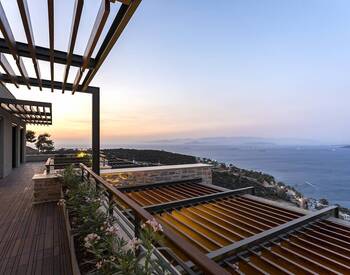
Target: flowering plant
[(101, 246)]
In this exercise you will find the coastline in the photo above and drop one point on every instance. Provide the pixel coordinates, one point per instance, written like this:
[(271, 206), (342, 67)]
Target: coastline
[(224, 174), (286, 194)]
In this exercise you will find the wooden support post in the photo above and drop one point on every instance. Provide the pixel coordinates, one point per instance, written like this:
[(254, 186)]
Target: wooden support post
[(96, 131)]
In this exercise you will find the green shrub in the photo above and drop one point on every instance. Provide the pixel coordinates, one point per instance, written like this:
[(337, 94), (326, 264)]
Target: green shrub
[(100, 247)]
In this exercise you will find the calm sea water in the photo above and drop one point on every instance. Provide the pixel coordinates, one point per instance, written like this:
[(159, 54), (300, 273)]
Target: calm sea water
[(318, 172)]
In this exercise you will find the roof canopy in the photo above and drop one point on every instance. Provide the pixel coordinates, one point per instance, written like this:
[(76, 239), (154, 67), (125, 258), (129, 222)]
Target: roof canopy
[(31, 112), (86, 64)]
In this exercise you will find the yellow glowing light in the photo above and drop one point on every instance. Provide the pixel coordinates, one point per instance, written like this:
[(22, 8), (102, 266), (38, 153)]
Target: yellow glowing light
[(81, 155)]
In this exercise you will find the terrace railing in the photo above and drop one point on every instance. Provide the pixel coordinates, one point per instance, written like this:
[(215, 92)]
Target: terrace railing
[(63, 161), (117, 202)]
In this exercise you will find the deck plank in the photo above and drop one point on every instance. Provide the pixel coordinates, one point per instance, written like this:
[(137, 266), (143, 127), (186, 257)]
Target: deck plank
[(33, 237)]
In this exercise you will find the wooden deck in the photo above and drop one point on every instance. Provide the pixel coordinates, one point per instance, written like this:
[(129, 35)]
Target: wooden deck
[(32, 238)]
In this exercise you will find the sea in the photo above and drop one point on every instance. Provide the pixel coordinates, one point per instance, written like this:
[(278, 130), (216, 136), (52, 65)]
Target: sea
[(315, 171)]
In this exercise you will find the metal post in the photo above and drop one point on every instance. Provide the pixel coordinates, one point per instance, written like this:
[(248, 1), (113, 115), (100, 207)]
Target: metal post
[(96, 131)]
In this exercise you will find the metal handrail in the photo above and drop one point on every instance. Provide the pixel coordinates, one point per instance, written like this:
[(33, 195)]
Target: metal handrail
[(207, 265), (50, 163)]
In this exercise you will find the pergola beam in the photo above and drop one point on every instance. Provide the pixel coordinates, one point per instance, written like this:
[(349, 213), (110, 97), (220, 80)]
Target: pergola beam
[(27, 25), (47, 84), (43, 53)]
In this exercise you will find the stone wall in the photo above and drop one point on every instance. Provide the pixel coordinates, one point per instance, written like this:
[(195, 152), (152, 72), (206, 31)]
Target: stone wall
[(157, 174), (47, 188)]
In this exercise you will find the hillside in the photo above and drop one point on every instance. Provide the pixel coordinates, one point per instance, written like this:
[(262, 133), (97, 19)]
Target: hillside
[(31, 151), (150, 156)]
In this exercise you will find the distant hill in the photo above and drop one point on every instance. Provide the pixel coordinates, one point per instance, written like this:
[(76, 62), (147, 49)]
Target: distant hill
[(31, 151), (346, 147), (152, 156), (238, 141)]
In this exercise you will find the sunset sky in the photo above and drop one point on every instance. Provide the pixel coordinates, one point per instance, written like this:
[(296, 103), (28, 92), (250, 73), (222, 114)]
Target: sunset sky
[(206, 68)]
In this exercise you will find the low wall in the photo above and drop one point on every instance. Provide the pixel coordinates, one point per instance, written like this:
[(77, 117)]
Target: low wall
[(47, 188), (38, 157), (157, 174)]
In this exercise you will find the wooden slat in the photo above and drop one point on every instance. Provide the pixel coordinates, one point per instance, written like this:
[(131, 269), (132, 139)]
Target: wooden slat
[(184, 227), (7, 68), (286, 262), (99, 24), (332, 232), (210, 228), (196, 200), (326, 251), (315, 255), (267, 264), (274, 232), (242, 228), (51, 19), (7, 32), (184, 234), (237, 216), (119, 23), (24, 11), (291, 211), (265, 221), (279, 217), (231, 230), (11, 43), (249, 268), (311, 263), (254, 209), (78, 8), (23, 71), (321, 241)]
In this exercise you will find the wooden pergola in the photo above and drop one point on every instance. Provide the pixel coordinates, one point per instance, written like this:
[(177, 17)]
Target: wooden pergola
[(87, 64), (31, 112)]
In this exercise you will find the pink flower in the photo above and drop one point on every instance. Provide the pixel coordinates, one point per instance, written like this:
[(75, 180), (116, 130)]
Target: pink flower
[(112, 230), (156, 226), (61, 202), (133, 243), (90, 239), (99, 264)]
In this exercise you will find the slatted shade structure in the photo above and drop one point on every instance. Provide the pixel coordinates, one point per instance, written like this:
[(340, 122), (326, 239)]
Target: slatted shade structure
[(217, 222), (153, 194), (321, 247), (244, 233), (96, 51), (31, 112), (86, 63)]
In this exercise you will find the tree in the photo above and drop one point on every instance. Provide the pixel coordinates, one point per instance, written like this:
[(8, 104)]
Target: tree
[(30, 136), (44, 143)]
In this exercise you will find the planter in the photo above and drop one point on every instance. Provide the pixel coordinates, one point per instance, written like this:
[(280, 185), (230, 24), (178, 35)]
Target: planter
[(70, 236)]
